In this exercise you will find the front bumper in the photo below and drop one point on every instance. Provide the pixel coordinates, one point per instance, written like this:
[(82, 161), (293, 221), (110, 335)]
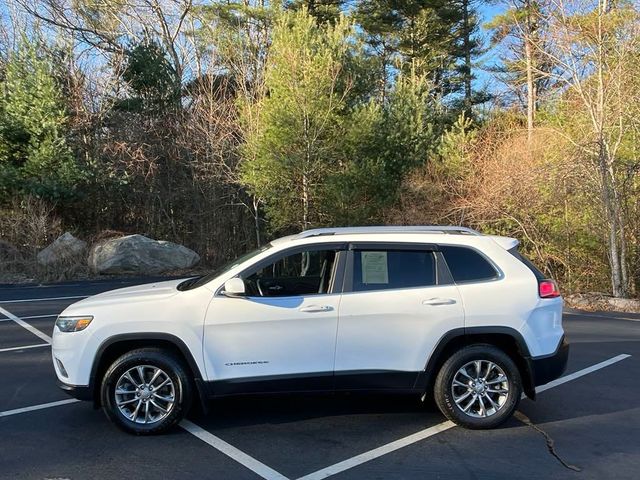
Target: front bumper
[(549, 367), (81, 392)]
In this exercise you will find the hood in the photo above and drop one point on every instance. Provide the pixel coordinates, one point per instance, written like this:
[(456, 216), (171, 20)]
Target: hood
[(149, 292)]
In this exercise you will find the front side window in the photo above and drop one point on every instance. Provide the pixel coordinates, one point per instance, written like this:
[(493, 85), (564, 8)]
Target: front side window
[(467, 265), (303, 273), (392, 269)]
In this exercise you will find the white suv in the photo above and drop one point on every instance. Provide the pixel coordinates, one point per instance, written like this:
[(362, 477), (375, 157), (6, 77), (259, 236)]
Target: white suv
[(424, 310)]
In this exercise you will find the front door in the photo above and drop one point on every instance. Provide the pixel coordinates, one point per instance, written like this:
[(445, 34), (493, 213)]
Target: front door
[(394, 310), (282, 335)]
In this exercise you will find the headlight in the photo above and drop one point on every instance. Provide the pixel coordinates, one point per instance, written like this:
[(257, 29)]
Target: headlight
[(73, 324)]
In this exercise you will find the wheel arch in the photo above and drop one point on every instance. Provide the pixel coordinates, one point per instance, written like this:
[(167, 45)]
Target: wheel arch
[(117, 345), (507, 339)]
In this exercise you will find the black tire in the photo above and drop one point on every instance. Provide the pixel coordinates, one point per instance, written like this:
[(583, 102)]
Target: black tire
[(444, 389), (174, 369)]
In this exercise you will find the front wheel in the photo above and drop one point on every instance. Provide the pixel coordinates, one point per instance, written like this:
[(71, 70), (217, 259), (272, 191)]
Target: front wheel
[(478, 387), (146, 391)]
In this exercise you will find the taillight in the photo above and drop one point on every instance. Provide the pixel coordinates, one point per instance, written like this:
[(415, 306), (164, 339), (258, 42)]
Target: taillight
[(548, 289)]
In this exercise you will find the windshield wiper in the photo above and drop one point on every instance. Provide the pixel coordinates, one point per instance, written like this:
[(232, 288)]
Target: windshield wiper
[(188, 283)]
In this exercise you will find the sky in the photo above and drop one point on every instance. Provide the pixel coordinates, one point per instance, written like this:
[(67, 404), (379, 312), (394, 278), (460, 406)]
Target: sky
[(488, 10)]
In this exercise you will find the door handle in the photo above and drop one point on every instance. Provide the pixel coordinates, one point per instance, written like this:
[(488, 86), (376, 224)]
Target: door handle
[(317, 308), (439, 301)]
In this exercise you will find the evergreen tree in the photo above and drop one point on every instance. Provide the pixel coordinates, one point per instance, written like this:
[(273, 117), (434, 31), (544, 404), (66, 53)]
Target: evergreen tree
[(523, 66), (322, 10), (415, 38), (294, 147), (468, 47), (150, 78), (34, 155)]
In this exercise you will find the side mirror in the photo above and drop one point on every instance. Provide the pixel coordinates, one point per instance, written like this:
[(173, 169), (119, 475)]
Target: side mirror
[(234, 287)]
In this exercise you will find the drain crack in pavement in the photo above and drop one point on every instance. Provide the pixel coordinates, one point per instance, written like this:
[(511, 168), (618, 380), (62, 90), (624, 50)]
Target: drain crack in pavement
[(550, 443)]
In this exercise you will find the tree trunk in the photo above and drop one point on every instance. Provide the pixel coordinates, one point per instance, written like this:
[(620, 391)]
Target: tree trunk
[(305, 202), (612, 236), (610, 198), (466, 35), (531, 93), (256, 220)]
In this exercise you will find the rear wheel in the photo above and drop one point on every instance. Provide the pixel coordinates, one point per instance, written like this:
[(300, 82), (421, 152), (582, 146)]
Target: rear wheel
[(478, 387), (146, 391)]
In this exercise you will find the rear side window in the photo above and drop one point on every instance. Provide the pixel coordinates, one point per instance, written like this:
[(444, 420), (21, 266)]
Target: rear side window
[(539, 275), (467, 265), (392, 269)]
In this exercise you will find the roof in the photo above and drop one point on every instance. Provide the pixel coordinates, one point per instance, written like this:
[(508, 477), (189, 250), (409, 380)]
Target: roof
[(387, 229), (504, 242)]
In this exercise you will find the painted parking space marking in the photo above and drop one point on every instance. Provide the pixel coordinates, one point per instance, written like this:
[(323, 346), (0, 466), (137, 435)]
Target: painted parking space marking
[(25, 325), (33, 408), (25, 347), (229, 450), (44, 299), (384, 449), (31, 317), (606, 317), (269, 473), (581, 373), (378, 452)]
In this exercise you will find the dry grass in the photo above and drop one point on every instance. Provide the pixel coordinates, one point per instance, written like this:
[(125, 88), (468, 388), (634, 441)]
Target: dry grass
[(30, 225), (537, 192)]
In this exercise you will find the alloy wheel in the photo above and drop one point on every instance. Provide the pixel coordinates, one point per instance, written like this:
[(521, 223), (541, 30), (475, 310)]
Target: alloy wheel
[(480, 388), (145, 394)]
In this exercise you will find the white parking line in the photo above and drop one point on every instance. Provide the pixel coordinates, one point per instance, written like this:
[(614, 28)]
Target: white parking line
[(606, 317), (269, 473), (441, 427), (42, 406), (24, 324), (31, 317), (43, 299), (581, 373), (229, 450), (11, 349), (378, 452)]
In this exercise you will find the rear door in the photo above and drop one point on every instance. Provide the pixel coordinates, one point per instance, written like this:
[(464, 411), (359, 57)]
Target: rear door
[(398, 302)]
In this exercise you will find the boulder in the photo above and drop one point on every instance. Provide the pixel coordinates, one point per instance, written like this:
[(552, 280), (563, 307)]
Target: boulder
[(64, 247), (8, 253), (625, 304), (602, 302), (141, 255)]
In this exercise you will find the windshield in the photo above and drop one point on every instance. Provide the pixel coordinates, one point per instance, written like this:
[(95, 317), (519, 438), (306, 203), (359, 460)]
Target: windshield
[(199, 281)]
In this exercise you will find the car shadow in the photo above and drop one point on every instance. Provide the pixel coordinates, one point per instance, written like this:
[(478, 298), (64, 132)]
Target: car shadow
[(249, 410)]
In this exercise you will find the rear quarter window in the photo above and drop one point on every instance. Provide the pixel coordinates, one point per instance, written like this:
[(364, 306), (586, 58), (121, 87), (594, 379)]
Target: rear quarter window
[(467, 265)]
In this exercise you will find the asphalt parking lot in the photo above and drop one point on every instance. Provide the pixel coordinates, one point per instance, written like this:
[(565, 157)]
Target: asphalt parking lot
[(585, 425)]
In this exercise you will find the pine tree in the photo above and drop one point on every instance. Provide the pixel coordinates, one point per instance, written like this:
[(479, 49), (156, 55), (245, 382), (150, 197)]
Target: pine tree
[(435, 39), (294, 147), (324, 11), (523, 64), (468, 48), (34, 155)]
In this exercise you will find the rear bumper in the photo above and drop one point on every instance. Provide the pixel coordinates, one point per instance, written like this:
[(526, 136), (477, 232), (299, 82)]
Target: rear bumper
[(81, 392), (549, 367)]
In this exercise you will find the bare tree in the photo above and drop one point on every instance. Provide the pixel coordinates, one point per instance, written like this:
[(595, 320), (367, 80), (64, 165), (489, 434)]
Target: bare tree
[(111, 25), (595, 45)]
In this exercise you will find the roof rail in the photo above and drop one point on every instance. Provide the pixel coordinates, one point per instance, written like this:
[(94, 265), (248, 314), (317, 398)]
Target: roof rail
[(388, 229)]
